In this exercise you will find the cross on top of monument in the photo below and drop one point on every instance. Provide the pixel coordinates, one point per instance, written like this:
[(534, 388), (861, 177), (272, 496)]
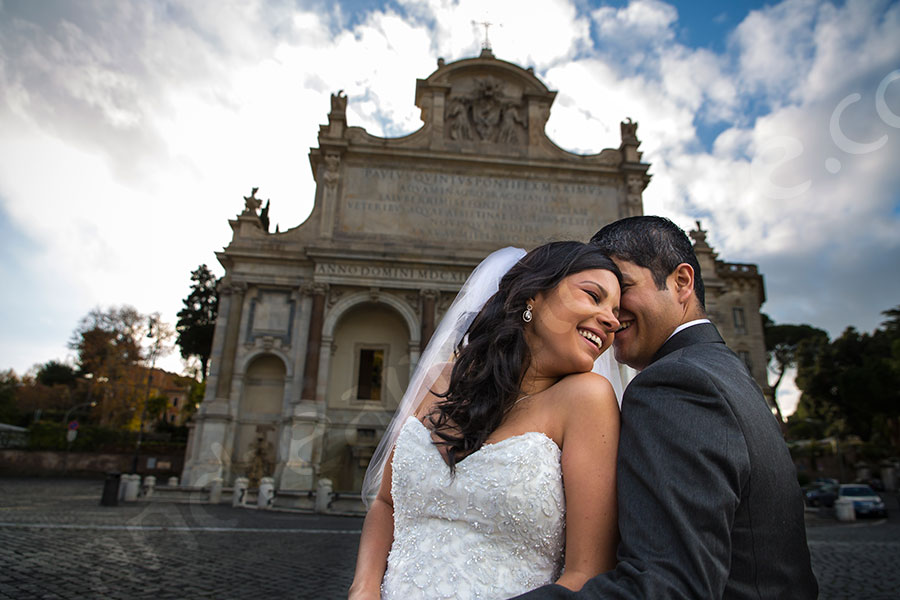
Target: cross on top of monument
[(486, 44)]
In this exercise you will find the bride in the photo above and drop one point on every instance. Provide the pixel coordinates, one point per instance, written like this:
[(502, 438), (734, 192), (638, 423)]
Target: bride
[(497, 474)]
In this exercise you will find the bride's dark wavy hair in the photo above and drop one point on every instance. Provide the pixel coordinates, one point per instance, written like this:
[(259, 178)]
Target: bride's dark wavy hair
[(492, 358)]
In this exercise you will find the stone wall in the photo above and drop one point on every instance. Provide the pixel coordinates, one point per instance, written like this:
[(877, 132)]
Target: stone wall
[(49, 462)]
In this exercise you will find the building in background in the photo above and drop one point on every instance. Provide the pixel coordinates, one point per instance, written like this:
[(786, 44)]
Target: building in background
[(734, 296), (320, 326)]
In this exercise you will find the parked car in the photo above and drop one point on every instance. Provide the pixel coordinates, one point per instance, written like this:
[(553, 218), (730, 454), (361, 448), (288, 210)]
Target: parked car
[(821, 494), (865, 501)]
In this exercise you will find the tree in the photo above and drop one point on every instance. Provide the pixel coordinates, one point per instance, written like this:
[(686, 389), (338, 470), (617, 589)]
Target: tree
[(109, 350), (156, 406), (782, 342), (9, 411), (852, 384), (56, 373), (197, 320), (108, 340)]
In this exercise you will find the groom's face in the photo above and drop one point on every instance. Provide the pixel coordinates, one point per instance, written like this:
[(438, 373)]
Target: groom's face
[(648, 315)]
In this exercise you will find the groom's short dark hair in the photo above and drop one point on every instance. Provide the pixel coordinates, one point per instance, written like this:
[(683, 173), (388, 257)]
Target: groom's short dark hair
[(652, 242)]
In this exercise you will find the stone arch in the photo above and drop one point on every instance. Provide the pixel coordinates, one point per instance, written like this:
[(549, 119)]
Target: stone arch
[(345, 304), (257, 352)]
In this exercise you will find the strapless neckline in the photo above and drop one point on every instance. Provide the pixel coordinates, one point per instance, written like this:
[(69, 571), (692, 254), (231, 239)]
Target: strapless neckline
[(486, 448)]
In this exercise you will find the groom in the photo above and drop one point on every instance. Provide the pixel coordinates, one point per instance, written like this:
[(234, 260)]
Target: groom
[(709, 505)]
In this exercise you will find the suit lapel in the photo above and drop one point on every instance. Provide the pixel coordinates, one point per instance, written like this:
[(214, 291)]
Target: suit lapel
[(704, 333)]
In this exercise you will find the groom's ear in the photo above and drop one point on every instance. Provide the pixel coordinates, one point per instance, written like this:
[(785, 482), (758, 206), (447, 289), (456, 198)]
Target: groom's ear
[(683, 278)]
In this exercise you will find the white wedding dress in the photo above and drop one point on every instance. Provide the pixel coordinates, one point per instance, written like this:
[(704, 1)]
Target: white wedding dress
[(495, 529)]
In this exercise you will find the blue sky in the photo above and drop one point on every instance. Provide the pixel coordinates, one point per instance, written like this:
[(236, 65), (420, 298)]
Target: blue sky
[(129, 132)]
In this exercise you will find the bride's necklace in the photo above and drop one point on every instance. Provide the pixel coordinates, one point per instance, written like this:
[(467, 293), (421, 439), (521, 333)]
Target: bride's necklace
[(520, 398)]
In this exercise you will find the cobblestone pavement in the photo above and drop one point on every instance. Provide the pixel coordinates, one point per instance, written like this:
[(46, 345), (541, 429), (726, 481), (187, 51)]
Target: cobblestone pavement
[(57, 542), (859, 559)]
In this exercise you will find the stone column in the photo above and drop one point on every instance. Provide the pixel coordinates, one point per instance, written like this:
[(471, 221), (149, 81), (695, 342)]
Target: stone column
[(314, 340), (429, 297), (232, 330), (299, 472)]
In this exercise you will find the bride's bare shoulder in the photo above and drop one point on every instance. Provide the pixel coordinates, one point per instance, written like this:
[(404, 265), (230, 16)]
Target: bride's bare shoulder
[(581, 387), (586, 396), (578, 400)]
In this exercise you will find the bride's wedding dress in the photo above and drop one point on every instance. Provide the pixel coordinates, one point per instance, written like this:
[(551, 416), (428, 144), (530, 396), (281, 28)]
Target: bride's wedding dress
[(495, 529)]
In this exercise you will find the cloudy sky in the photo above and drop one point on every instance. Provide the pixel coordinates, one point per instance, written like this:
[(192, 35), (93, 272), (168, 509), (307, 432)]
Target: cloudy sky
[(129, 132)]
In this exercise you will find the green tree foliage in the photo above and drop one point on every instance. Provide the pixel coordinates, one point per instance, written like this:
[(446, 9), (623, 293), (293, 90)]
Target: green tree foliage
[(852, 384), (782, 343), (156, 406), (197, 320), (56, 373), (9, 411)]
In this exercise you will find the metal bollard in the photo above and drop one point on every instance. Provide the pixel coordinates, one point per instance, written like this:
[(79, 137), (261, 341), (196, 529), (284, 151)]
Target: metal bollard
[(110, 495), (239, 495), (266, 495), (173, 481)]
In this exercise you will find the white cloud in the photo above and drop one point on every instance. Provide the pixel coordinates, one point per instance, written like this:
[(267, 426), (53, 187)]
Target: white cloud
[(642, 21)]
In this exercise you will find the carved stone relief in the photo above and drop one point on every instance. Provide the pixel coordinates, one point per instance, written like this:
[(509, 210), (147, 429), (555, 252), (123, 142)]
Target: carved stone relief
[(487, 114), (443, 304), (335, 295), (332, 169), (634, 185)]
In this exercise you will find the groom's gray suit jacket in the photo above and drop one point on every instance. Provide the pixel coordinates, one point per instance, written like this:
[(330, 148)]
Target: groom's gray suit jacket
[(709, 505)]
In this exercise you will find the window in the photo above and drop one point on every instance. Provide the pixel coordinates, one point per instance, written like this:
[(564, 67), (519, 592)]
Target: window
[(175, 402), (739, 323), (371, 365)]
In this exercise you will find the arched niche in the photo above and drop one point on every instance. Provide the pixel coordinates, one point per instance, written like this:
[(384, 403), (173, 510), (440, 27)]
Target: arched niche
[(259, 412), (370, 358), (370, 352)]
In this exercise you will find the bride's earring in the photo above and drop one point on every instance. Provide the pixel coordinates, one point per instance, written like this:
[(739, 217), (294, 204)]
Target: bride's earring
[(527, 315)]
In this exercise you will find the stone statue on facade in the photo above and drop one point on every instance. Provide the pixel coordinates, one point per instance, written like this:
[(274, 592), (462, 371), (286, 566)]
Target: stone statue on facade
[(458, 118), (251, 202), (262, 461), (629, 131), (339, 102), (264, 217)]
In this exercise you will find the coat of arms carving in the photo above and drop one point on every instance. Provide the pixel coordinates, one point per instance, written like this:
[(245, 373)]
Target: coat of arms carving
[(486, 115)]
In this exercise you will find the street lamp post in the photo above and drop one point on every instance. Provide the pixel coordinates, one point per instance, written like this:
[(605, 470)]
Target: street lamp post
[(153, 324)]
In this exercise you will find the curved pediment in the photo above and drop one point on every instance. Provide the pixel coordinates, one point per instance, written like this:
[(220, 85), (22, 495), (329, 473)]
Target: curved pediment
[(479, 106)]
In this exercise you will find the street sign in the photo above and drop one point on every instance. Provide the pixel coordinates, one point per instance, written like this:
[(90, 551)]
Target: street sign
[(73, 425), (71, 435)]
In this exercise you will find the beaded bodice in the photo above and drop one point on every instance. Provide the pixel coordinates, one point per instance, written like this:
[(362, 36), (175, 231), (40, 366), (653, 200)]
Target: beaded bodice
[(494, 529)]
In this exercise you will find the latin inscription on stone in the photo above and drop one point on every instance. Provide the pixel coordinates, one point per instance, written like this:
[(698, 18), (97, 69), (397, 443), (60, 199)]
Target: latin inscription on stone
[(391, 273), (444, 207)]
